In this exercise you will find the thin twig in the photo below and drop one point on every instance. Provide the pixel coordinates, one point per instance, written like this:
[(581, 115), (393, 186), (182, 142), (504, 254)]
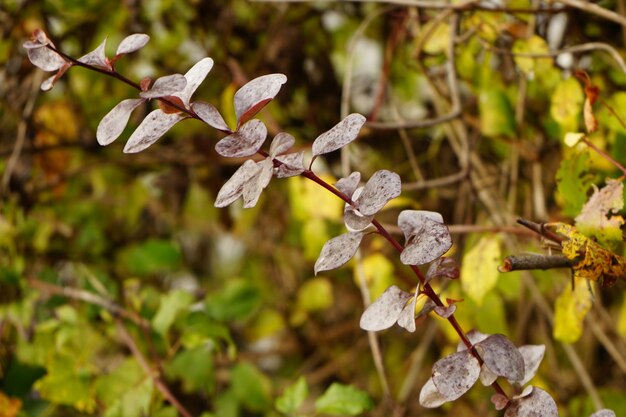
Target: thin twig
[(88, 297), (535, 261), (156, 379)]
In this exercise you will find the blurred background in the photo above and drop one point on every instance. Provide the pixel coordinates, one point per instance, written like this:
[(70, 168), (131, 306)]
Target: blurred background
[(123, 291)]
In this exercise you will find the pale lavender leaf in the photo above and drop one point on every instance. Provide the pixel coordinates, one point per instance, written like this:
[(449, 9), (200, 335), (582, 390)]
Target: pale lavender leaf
[(166, 86), (349, 184), (407, 316), (194, 77), (411, 220), (48, 83), (337, 251), (281, 144), (291, 165), (385, 311), (533, 355), (246, 141), (525, 392), (254, 95), (155, 125), (486, 376), (340, 135), (474, 336), (132, 43), (443, 267), (233, 188), (499, 401), (41, 37), (112, 125), (502, 357), (538, 403), (428, 243), (429, 306), (210, 115), (97, 57), (445, 311), (430, 397), (32, 45), (455, 374), (45, 58), (252, 189), (382, 186), (355, 221), (603, 413)]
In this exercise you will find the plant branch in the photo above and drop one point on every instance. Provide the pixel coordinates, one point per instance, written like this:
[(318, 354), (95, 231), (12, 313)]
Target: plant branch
[(156, 379), (535, 261)]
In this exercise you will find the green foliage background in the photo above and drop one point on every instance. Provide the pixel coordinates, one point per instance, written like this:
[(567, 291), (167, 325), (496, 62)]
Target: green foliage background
[(222, 304)]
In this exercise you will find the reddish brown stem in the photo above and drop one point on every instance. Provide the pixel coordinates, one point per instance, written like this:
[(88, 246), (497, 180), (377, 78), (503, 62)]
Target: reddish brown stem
[(427, 289)]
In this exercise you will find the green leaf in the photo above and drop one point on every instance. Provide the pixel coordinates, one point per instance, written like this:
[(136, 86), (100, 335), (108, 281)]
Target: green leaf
[(480, 268), (342, 399), (573, 181), (496, 113), (251, 387), (171, 305), (194, 368), (127, 390), (236, 301), (293, 396), (150, 257)]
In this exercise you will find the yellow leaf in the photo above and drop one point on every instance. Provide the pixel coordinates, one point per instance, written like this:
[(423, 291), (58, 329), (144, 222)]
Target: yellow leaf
[(567, 101), (479, 270), (595, 263), (315, 294), (309, 200), (570, 309), (379, 274), (572, 138), (533, 45)]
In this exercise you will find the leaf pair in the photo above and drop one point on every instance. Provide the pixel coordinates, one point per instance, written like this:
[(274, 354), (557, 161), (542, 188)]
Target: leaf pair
[(177, 89), (41, 55), (455, 374), (252, 177)]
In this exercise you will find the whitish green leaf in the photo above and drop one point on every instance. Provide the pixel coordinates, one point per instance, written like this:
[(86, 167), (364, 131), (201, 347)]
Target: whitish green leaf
[(233, 188), (339, 136), (455, 374), (337, 251), (479, 268), (254, 95), (386, 310), (155, 125), (502, 357), (132, 43), (293, 396), (112, 125), (537, 403), (383, 186), (430, 397), (342, 399)]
